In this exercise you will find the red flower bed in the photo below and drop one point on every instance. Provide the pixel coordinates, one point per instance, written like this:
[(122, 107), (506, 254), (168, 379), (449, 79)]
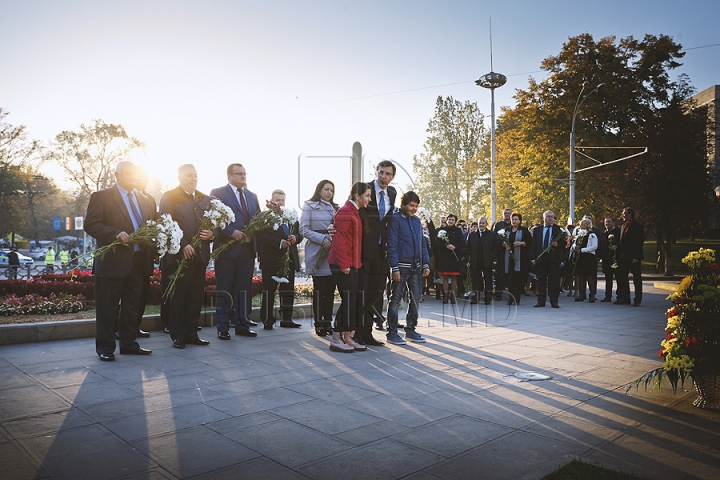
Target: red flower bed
[(83, 283)]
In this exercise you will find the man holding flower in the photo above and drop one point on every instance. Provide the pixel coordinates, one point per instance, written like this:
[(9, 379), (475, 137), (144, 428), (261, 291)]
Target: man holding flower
[(112, 215), (278, 261), (187, 207), (546, 254), (234, 266)]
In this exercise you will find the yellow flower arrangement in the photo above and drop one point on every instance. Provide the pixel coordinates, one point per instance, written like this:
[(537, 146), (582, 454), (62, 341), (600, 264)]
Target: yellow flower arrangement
[(692, 334)]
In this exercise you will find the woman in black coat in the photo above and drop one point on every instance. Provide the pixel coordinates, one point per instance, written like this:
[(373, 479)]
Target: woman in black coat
[(517, 264), (450, 247)]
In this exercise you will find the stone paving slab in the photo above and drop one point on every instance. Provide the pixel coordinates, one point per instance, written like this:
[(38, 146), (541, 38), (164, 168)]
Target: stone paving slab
[(283, 406)]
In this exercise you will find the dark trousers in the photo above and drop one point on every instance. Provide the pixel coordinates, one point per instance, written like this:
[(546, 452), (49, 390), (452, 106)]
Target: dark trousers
[(117, 302), (502, 279), (623, 281), (373, 280), (287, 297), (609, 275), (323, 300), (516, 284), (350, 308), (482, 282), (233, 290), (548, 278), (186, 303)]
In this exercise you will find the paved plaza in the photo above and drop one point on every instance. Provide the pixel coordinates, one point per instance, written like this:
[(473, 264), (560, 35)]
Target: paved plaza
[(283, 406)]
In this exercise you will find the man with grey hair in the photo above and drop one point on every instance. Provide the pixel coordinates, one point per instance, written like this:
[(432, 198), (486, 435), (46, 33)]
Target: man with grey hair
[(546, 254), (113, 214), (483, 248)]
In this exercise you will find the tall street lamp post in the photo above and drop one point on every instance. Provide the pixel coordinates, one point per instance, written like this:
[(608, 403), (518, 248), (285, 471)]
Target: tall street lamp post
[(578, 104), (492, 81)]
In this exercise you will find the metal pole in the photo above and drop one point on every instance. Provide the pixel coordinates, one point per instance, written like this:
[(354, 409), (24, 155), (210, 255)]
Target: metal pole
[(571, 217), (493, 196)]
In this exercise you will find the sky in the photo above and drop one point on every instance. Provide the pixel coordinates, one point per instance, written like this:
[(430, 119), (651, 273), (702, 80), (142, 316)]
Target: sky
[(273, 83)]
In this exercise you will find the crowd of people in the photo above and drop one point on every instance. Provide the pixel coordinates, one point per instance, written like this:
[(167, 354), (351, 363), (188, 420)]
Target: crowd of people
[(373, 245)]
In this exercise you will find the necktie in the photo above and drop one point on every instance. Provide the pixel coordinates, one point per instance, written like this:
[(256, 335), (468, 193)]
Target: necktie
[(381, 204), (243, 204), (137, 218), (546, 241), (286, 230)]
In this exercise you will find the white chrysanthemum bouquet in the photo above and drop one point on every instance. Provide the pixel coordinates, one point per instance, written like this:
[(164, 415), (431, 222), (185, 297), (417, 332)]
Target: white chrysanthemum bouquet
[(217, 216)]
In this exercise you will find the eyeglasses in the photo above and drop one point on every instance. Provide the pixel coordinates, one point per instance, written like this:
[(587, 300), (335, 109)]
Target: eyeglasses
[(240, 174)]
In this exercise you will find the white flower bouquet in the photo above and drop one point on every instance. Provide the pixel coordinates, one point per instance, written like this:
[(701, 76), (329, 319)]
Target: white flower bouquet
[(442, 235), (217, 216), (162, 235)]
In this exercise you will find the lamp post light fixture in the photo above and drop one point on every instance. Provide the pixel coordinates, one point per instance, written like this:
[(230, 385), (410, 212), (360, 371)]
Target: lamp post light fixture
[(578, 104), (492, 81)]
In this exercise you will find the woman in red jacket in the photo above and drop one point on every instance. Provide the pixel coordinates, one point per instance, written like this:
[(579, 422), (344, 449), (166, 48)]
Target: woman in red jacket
[(345, 260)]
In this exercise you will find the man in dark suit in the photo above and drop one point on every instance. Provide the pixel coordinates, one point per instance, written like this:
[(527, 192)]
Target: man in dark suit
[(548, 264), (483, 249), (113, 214), (186, 206), (234, 267), (501, 279), (273, 246), (630, 256), (609, 256), (375, 271), (141, 185)]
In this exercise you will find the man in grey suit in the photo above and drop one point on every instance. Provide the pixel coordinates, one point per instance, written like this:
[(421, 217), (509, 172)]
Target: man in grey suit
[(234, 267), (113, 214)]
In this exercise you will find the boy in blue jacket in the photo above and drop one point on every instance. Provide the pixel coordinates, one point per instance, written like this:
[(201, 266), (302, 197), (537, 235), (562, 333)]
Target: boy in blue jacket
[(409, 262)]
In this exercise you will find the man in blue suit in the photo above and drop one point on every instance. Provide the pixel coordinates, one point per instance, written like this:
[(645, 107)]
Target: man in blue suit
[(546, 254), (234, 267)]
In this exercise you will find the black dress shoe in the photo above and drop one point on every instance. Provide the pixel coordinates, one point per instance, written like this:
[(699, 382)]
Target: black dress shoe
[(143, 334), (166, 330), (199, 328), (106, 357), (636, 304), (245, 333), (580, 299), (268, 326), (554, 305), (251, 323), (539, 305), (606, 300), (178, 343), (135, 351), (224, 335), (622, 302), (372, 342), (289, 324), (199, 341)]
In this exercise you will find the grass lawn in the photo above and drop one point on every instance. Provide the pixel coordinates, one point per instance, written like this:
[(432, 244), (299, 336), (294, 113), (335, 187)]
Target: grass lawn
[(679, 250), (579, 470)]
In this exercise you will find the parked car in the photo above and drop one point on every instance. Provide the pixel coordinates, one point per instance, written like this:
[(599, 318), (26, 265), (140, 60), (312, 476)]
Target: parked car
[(38, 254), (24, 259)]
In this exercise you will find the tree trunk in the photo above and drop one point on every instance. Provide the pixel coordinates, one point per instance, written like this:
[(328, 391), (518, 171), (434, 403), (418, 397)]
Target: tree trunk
[(668, 256)]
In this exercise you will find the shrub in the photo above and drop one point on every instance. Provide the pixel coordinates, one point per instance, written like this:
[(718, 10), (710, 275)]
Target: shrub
[(34, 304)]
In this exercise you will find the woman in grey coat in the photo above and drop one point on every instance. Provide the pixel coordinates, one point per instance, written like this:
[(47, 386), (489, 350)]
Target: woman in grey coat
[(317, 216)]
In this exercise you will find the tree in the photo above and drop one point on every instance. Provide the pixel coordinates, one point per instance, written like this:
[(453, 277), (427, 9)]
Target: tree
[(453, 172), (533, 137), (672, 185), (89, 157), (16, 153)]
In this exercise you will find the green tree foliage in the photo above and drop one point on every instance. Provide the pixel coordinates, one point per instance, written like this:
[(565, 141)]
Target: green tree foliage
[(89, 156), (453, 171), (533, 137), (672, 185), (16, 151)]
